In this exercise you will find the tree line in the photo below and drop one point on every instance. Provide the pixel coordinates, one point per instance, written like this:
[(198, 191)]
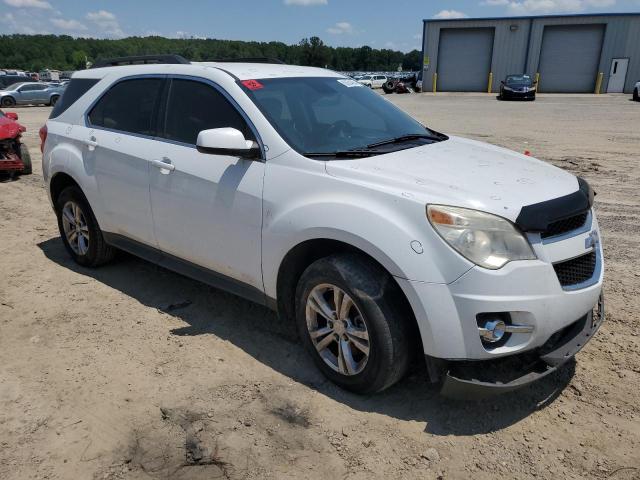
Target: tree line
[(62, 52)]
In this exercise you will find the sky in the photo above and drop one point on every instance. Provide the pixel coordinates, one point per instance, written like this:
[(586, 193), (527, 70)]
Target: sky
[(395, 24)]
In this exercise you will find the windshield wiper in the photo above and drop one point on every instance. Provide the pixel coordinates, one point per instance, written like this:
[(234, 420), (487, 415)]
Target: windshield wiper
[(342, 153), (405, 138)]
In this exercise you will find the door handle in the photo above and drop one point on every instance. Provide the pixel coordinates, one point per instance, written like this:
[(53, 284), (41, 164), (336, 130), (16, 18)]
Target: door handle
[(91, 143), (164, 164)]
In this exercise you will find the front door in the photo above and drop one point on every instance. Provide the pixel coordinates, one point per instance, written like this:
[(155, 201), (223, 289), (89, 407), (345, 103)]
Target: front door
[(31, 93), (207, 209), (617, 75)]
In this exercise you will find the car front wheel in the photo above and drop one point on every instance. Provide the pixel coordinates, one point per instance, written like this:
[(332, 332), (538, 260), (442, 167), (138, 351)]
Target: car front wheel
[(54, 100), (8, 102), (636, 95), (352, 323), (25, 156)]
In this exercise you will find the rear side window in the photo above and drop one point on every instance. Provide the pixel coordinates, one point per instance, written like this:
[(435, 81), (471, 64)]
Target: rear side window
[(76, 88), (129, 106), (8, 80), (196, 106)]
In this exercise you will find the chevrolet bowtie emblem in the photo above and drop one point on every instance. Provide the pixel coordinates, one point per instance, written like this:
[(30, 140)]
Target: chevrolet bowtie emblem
[(592, 240)]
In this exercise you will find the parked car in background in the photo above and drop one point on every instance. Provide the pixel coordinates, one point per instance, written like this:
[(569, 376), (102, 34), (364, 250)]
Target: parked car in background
[(406, 84), (347, 223), (518, 87), (373, 81), (9, 80), (14, 155), (30, 93), (636, 92)]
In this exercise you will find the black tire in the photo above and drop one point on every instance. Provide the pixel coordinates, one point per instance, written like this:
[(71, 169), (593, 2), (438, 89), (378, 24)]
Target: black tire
[(54, 100), (98, 252), (377, 297), (8, 102), (25, 156), (636, 95)]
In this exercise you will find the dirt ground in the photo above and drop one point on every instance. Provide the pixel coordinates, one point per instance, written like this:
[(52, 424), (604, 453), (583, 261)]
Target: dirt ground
[(133, 372)]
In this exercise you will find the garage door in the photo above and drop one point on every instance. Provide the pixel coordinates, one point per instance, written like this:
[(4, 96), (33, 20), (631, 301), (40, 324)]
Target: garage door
[(464, 59), (569, 58)]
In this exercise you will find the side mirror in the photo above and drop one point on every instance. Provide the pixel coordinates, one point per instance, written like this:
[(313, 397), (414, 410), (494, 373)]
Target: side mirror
[(227, 141), (11, 116), (502, 82)]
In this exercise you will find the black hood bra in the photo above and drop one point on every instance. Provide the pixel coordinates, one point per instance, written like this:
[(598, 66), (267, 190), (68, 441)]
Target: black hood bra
[(538, 217)]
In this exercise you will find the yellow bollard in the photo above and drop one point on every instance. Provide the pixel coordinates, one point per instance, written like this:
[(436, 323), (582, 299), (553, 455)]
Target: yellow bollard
[(435, 81), (490, 82), (599, 83), (537, 80)]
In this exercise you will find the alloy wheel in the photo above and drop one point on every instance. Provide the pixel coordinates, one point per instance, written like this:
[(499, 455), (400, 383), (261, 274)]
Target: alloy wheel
[(337, 329), (75, 227)]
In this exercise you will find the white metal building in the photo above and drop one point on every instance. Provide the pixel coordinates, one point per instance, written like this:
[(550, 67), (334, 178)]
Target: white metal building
[(570, 53)]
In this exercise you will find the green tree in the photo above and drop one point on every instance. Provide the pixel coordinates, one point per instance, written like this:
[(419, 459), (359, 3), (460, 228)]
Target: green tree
[(35, 52)]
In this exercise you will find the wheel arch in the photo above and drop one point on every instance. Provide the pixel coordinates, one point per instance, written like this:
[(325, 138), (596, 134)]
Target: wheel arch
[(298, 258), (60, 181)]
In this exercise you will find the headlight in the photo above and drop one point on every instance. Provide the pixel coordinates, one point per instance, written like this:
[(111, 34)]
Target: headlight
[(485, 239), (508, 88)]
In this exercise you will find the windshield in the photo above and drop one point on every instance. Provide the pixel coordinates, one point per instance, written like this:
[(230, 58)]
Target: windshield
[(328, 115), (524, 80)]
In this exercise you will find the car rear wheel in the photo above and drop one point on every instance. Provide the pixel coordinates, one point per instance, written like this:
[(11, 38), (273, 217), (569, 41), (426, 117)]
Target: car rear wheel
[(54, 100), (351, 321), (8, 102), (79, 229), (636, 95)]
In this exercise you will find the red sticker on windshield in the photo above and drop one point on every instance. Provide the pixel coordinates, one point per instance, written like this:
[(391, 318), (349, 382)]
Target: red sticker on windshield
[(252, 84)]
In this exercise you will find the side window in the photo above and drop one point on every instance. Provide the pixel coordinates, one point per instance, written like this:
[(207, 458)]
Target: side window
[(77, 88), (129, 106), (195, 106)]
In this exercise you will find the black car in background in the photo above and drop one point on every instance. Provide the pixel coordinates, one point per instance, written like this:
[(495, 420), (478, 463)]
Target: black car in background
[(7, 80), (518, 87)]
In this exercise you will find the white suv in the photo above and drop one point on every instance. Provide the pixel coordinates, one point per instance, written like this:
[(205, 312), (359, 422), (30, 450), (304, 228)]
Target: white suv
[(373, 81), (302, 190)]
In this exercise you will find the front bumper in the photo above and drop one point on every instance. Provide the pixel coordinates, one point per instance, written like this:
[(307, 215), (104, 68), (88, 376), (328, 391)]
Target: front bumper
[(486, 378), (507, 95)]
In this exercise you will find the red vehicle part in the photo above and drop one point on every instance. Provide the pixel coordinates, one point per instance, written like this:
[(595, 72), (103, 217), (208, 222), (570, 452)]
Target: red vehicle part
[(10, 132), (43, 137)]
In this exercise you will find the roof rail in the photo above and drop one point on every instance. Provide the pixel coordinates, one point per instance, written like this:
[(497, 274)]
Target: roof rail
[(249, 60), (140, 60)]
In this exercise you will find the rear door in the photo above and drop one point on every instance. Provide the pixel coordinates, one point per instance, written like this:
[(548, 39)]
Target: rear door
[(208, 208), (119, 144)]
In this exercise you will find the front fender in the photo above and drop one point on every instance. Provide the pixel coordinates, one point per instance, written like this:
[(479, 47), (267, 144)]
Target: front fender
[(394, 231)]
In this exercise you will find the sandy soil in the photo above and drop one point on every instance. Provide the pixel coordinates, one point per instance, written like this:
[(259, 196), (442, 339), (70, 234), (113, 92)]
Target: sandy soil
[(133, 372)]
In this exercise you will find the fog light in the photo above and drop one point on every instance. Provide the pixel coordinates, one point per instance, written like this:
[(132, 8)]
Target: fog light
[(492, 331), (495, 328)]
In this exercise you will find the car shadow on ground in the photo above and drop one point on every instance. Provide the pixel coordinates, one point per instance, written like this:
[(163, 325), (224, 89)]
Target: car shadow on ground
[(258, 332)]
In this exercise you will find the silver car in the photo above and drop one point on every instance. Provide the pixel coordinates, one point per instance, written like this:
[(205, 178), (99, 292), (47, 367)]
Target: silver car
[(30, 93)]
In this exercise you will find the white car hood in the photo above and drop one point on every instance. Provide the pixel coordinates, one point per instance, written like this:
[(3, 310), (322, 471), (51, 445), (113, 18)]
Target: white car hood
[(464, 173)]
